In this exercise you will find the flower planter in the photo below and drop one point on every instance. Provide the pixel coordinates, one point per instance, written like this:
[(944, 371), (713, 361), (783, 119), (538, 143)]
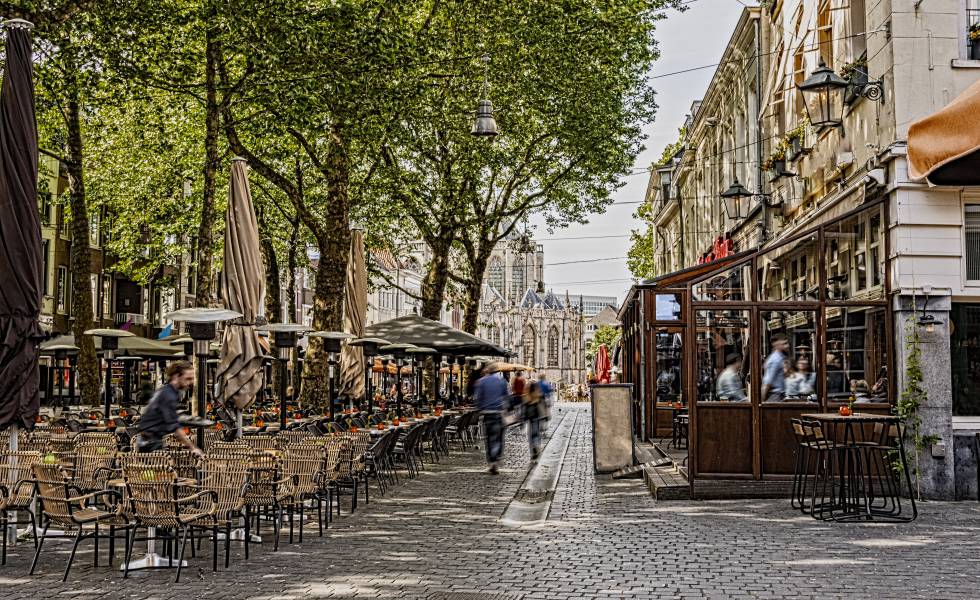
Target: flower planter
[(794, 150), (975, 50), (857, 81)]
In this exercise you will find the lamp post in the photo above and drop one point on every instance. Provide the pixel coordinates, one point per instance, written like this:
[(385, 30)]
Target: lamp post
[(398, 352), (110, 343), (332, 341), (369, 346), (285, 336), (202, 326)]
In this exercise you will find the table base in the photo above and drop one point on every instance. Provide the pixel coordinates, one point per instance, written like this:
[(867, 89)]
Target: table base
[(153, 561)]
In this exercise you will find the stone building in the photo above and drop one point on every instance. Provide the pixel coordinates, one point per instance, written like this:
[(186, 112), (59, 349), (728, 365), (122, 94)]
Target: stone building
[(913, 250)]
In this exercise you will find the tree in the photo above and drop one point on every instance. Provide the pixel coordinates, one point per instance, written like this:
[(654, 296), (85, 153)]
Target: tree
[(605, 334)]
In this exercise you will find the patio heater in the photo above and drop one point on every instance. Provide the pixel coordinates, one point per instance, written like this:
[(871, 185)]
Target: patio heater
[(128, 363), (369, 346), (418, 356), (110, 343), (285, 335), (202, 326), (458, 397), (397, 351), (62, 353), (332, 342)]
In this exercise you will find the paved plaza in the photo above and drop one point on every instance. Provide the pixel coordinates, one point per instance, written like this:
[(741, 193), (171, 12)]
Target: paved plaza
[(439, 537)]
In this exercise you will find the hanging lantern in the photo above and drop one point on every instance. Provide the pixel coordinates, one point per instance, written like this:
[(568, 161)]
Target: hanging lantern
[(485, 124), (823, 93), (737, 199)]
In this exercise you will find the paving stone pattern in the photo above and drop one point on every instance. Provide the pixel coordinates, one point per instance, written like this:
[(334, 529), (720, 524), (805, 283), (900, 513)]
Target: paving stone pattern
[(438, 537)]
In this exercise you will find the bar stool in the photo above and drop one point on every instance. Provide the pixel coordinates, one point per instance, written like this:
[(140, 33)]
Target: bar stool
[(826, 454)]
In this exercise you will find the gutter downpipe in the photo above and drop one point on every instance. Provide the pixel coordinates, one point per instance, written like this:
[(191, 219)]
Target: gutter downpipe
[(764, 233), (643, 366)]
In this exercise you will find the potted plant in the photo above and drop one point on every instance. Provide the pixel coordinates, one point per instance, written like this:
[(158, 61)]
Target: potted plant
[(795, 140), (856, 74), (775, 163), (973, 36)]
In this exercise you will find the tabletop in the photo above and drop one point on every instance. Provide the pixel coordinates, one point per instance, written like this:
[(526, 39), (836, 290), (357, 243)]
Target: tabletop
[(853, 417)]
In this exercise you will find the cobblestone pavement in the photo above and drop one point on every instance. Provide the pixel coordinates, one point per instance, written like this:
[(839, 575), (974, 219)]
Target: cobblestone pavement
[(439, 535)]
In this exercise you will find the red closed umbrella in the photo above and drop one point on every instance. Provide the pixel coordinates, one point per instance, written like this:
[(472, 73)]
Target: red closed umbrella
[(602, 366)]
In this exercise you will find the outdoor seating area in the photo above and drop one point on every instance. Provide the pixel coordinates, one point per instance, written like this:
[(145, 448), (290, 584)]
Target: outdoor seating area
[(62, 486)]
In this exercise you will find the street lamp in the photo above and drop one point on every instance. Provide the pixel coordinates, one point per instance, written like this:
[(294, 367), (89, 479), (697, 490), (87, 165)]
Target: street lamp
[(397, 351), (737, 199), (485, 125), (332, 341), (823, 95), (369, 346), (110, 343), (202, 326), (285, 336)]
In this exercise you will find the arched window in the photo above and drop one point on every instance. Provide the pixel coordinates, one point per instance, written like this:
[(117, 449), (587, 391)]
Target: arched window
[(495, 335), (530, 345), (553, 347), (495, 274), (517, 279)]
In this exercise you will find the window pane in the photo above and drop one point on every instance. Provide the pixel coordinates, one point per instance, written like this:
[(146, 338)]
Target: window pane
[(669, 345), (856, 354), (965, 350), (790, 272), (668, 307), (854, 256), (732, 285), (789, 356), (723, 342), (971, 221)]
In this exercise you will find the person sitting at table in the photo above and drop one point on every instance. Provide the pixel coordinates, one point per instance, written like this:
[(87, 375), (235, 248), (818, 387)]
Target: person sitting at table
[(729, 385), (773, 371), (802, 382), (859, 390), (159, 418)]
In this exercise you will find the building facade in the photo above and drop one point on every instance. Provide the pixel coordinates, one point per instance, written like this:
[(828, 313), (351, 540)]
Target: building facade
[(912, 251)]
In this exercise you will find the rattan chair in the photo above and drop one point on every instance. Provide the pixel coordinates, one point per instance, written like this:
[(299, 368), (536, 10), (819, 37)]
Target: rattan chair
[(16, 493), (293, 436), (158, 500), (261, 442), (64, 505), (93, 466), (268, 491), (303, 463), (226, 476)]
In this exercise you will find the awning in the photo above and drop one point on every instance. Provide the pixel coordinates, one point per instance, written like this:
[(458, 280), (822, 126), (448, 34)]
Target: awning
[(128, 346), (944, 147)]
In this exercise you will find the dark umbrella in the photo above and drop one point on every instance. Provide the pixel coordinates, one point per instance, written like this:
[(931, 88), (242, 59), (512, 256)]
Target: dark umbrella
[(20, 235)]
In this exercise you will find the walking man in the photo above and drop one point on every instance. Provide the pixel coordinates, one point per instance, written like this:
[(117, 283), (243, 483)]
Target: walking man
[(490, 396), (774, 370), (160, 415)]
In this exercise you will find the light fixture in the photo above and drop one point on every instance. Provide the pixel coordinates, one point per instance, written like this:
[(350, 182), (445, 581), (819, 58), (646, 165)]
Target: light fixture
[(332, 341), (823, 95), (369, 346), (485, 125), (666, 178), (398, 351), (926, 321), (737, 199)]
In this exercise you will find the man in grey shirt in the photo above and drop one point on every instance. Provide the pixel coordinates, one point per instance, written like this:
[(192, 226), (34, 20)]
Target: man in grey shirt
[(729, 384), (773, 373)]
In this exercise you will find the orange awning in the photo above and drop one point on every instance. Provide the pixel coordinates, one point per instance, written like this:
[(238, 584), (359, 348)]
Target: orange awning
[(944, 147)]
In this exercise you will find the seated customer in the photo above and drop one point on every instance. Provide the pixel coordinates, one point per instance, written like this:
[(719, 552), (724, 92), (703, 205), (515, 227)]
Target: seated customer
[(729, 385), (802, 382), (859, 389)]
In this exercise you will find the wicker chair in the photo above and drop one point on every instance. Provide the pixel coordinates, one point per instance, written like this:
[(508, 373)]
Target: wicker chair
[(268, 491), (157, 500), (95, 438), (16, 492), (236, 447), (226, 476), (285, 438), (64, 505), (261, 442), (93, 466), (303, 463)]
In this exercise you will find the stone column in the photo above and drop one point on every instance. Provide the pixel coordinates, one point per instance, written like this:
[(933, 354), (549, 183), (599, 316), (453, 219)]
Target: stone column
[(936, 474)]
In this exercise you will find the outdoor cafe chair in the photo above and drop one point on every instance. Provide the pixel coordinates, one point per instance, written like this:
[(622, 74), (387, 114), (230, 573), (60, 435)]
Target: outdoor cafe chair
[(406, 449), (826, 455), (377, 460), (350, 468), (260, 442), (16, 493), (267, 492), (302, 462), (95, 438), (285, 438), (458, 428), (226, 476), (160, 501), (65, 506), (93, 467)]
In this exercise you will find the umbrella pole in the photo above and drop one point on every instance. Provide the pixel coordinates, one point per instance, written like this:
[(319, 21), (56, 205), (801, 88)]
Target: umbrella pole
[(72, 364), (398, 388), (282, 395), (368, 396), (108, 385), (11, 531)]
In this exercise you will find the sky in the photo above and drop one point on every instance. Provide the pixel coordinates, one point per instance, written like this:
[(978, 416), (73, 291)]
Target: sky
[(693, 38)]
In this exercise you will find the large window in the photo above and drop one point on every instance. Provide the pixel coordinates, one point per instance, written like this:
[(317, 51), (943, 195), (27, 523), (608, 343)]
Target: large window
[(965, 355), (517, 280), (530, 346), (971, 223), (789, 356), (825, 33), (723, 344), (62, 289), (553, 347), (495, 275)]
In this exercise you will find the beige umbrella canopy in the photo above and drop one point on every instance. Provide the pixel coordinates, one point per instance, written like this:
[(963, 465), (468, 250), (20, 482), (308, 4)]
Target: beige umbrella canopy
[(352, 363), (243, 287), (944, 147)]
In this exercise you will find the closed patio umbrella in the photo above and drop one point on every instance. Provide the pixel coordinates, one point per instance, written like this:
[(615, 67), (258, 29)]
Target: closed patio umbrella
[(352, 363), (20, 236), (243, 288), (602, 365)]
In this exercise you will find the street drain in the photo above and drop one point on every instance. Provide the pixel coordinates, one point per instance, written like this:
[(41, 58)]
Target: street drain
[(534, 496)]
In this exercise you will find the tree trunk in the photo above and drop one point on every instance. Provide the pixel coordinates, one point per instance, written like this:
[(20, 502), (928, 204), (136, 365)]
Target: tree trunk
[(436, 280), (205, 295), (81, 256), (474, 288), (333, 243)]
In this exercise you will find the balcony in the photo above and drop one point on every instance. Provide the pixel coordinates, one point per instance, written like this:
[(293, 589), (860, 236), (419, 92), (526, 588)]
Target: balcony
[(123, 318)]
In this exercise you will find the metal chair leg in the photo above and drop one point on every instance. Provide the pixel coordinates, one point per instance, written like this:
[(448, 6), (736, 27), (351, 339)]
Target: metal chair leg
[(183, 545), (74, 549), (37, 551)]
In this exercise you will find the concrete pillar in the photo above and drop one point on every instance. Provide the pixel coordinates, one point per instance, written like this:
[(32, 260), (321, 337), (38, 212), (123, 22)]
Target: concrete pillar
[(936, 474)]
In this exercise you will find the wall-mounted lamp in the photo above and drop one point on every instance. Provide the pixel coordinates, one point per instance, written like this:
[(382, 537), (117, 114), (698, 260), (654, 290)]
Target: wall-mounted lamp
[(926, 321)]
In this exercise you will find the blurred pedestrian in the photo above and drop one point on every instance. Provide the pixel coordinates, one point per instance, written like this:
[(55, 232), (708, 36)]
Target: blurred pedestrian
[(490, 397), (547, 397), (532, 415), (159, 418)]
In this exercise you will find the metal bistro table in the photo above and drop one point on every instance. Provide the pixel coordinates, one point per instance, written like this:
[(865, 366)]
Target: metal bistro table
[(867, 484)]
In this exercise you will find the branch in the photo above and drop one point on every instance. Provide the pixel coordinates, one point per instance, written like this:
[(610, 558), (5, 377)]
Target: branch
[(398, 287)]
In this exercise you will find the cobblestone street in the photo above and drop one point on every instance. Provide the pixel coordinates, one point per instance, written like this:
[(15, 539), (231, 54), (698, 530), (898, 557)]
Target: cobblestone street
[(603, 539)]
